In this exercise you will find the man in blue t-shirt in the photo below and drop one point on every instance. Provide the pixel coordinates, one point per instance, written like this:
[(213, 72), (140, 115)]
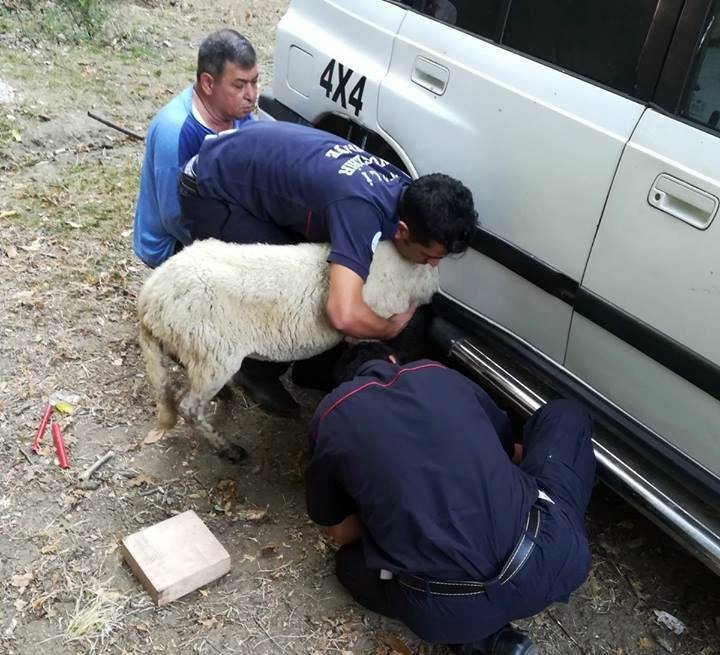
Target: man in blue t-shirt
[(438, 528), (284, 183), (222, 97)]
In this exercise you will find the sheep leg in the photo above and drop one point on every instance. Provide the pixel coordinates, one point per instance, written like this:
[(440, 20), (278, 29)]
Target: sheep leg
[(155, 363), (193, 405)]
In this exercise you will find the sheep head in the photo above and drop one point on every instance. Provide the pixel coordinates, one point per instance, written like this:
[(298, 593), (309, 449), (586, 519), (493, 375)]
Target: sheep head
[(394, 282)]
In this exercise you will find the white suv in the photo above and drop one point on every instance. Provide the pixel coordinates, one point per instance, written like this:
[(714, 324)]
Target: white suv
[(589, 133)]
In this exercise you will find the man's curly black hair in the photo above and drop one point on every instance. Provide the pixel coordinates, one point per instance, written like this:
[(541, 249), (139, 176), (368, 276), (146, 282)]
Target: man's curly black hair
[(353, 358), (439, 208)]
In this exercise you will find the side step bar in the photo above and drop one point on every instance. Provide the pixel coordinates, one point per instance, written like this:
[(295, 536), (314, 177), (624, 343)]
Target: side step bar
[(681, 515)]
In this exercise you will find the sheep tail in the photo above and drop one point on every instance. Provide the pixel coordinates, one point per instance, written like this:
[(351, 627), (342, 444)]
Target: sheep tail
[(157, 372)]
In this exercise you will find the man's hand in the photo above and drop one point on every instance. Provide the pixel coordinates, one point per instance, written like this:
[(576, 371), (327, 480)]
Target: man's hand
[(347, 531), (349, 313), (402, 319)]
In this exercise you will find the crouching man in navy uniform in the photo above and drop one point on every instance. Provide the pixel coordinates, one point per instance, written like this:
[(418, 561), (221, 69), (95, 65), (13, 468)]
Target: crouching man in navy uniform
[(285, 183), (411, 474)]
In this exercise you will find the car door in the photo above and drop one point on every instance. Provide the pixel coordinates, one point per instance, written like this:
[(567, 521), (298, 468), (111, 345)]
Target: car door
[(510, 99), (331, 55), (645, 333)]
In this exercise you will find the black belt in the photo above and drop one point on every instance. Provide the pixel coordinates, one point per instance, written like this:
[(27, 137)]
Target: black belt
[(188, 184), (514, 563)]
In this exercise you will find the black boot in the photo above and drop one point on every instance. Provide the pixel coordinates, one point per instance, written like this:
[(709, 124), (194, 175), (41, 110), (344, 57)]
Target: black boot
[(261, 382), (506, 641), (509, 641)]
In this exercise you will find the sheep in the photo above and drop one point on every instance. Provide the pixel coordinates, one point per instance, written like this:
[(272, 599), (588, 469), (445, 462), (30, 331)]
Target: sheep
[(215, 303)]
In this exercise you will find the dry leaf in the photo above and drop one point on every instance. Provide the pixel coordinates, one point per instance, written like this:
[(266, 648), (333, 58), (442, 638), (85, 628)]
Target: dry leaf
[(210, 623), (224, 497), (33, 247), (11, 251), (141, 479), (644, 643), (154, 436), (253, 514), (269, 550), (39, 602), (50, 548), (397, 644), (21, 581), (20, 605)]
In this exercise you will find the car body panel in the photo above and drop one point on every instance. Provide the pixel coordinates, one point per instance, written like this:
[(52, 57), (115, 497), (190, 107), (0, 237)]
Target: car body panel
[(537, 148), (314, 32), (665, 272)]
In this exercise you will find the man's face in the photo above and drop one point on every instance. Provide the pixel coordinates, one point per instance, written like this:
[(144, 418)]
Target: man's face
[(234, 93), (418, 253)]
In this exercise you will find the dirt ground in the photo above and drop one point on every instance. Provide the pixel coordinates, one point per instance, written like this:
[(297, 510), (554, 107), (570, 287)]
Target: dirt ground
[(68, 282)]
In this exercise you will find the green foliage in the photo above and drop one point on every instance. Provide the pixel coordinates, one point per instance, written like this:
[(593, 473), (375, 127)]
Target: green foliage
[(57, 20), (88, 15)]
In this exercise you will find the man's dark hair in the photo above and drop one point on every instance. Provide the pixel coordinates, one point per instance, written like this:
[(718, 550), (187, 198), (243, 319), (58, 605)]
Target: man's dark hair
[(222, 46), (439, 208), (353, 358)]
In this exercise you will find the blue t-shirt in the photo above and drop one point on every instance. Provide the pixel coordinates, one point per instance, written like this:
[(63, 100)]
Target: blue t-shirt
[(318, 185), (417, 451), (174, 136)]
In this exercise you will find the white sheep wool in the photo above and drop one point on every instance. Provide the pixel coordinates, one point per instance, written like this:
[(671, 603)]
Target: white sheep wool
[(215, 303)]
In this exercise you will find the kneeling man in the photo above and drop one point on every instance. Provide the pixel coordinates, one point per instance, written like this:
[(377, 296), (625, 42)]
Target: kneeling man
[(411, 474)]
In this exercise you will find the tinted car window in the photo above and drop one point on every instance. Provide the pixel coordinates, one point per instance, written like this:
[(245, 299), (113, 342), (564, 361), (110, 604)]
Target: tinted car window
[(600, 40), (477, 16), (702, 98)]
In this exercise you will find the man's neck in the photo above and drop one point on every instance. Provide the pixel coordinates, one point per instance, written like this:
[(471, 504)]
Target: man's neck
[(208, 116)]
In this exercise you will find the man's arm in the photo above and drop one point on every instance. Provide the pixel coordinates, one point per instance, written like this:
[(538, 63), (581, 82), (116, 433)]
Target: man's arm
[(347, 531), (350, 314), (166, 186)]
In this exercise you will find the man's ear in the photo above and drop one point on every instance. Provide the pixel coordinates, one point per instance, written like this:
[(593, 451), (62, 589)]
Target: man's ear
[(403, 231), (207, 82)]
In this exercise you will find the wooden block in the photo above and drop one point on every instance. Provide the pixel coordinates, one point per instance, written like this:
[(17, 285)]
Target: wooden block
[(174, 557)]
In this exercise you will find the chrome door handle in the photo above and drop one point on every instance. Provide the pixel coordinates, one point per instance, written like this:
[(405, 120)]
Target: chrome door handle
[(684, 201), (430, 76)]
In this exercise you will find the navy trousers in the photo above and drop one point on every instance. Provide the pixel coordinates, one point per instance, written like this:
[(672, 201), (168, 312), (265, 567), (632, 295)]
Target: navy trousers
[(210, 218), (558, 453)]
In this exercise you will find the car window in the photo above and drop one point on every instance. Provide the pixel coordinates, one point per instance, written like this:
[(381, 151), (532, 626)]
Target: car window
[(599, 40), (701, 103), (477, 16)]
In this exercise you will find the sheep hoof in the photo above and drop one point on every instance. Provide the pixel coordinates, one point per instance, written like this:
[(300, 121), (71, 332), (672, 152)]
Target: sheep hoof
[(233, 452)]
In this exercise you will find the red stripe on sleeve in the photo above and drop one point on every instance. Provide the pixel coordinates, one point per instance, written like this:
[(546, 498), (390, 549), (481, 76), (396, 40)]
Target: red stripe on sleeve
[(376, 384)]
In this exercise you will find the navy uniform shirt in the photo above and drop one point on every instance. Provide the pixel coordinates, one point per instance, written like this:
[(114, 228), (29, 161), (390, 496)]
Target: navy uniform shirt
[(416, 451), (318, 185)]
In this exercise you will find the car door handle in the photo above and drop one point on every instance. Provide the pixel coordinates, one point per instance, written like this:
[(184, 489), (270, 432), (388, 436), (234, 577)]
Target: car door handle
[(684, 201), (430, 76)]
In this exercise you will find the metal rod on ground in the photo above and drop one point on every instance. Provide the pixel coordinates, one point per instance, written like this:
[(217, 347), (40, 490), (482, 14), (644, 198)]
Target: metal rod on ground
[(104, 121), (85, 475)]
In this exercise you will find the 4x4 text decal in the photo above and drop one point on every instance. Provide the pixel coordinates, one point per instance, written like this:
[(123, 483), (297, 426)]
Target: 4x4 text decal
[(354, 98)]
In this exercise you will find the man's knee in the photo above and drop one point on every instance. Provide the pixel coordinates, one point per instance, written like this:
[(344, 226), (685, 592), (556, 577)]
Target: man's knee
[(564, 415), (562, 429)]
